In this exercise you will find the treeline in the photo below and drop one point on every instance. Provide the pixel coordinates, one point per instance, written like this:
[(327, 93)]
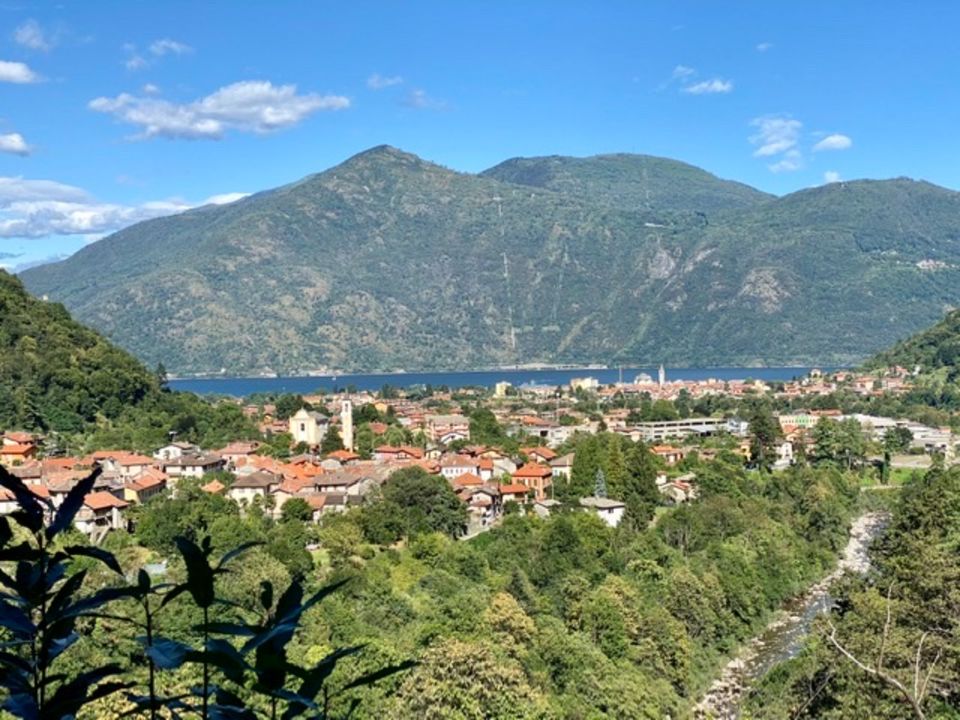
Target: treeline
[(562, 617), (890, 649), (567, 618), (61, 378)]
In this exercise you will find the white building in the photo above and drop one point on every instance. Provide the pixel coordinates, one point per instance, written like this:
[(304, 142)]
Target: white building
[(346, 424), (307, 426), (610, 511), (587, 384)]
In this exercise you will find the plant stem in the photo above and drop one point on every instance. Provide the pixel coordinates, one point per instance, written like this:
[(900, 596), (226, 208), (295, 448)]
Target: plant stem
[(151, 669), (206, 664)]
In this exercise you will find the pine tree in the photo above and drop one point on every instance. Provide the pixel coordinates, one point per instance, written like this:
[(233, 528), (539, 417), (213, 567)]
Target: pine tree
[(600, 487)]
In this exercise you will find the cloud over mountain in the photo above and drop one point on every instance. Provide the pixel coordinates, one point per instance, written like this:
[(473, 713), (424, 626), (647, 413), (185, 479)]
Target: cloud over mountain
[(248, 106)]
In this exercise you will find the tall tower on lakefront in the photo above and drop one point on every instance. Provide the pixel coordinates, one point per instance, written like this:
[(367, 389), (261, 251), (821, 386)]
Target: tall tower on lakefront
[(662, 376), (346, 424)]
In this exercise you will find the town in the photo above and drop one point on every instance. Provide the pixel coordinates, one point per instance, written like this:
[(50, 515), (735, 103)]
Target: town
[(333, 451)]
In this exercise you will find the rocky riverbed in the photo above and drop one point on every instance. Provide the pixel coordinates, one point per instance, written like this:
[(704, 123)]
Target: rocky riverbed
[(783, 638)]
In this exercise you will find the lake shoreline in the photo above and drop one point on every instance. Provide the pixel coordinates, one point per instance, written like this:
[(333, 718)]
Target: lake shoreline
[(243, 387)]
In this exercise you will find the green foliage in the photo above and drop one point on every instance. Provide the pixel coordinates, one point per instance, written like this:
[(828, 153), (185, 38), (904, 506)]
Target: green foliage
[(841, 443), (764, 434), (242, 660), (56, 375), (900, 623), (296, 510), (412, 502), (485, 430), (331, 441)]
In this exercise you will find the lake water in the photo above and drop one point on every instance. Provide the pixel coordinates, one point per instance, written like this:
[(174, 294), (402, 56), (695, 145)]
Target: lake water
[(242, 387)]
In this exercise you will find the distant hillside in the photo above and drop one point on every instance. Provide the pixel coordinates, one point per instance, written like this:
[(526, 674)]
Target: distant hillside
[(630, 182), (932, 349), (54, 372), (388, 261)]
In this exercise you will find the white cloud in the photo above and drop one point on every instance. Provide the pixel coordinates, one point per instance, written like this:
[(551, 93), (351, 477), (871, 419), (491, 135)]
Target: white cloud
[(14, 189), (225, 198), (17, 72), (420, 100), (15, 144), (764, 46), (166, 46), (248, 106), (135, 62), (379, 82), (40, 208), (31, 35), (831, 176), (791, 160), (151, 89), (709, 87), (777, 138), (836, 141), (681, 72), (775, 134)]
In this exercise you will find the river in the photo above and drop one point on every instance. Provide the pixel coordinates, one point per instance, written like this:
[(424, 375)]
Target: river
[(784, 637)]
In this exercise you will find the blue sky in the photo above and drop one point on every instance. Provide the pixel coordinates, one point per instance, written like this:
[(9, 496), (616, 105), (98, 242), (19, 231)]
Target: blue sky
[(114, 112)]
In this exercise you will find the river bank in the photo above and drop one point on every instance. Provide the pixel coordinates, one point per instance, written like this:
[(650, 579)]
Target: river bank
[(784, 636)]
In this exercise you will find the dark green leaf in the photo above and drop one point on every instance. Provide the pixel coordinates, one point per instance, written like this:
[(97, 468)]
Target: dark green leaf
[(30, 514), (107, 558), (199, 572), (168, 654), (373, 677), (237, 551), (266, 594)]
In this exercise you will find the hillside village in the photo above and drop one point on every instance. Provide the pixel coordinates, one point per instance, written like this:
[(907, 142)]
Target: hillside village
[(334, 459)]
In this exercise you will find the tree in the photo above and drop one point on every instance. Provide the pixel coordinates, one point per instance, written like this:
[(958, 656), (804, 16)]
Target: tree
[(764, 432), (365, 441), (296, 510), (587, 459), (897, 439), (288, 404), (841, 443), (287, 543), (640, 493), (467, 681), (600, 486), (331, 441), (413, 502), (484, 428)]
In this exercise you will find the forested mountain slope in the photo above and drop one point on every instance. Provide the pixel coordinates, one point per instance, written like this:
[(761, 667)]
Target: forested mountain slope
[(388, 261)]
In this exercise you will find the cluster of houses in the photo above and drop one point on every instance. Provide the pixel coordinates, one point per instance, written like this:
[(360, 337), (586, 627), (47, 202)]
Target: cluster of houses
[(484, 478)]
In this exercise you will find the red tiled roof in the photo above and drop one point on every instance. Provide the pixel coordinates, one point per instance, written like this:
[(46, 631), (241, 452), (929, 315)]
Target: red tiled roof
[(544, 452), (467, 479), (343, 455), (17, 449), (514, 489), (533, 470), (101, 500)]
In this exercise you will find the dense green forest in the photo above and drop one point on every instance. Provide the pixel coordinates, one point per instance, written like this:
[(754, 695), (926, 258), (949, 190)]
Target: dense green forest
[(891, 648), (388, 261), (58, 376), (562, 617)]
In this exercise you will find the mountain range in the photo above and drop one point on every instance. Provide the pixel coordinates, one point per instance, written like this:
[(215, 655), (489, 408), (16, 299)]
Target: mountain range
[(388, 261)]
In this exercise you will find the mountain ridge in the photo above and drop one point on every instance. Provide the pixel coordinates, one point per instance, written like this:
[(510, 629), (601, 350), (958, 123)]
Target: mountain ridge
[(388, 261)]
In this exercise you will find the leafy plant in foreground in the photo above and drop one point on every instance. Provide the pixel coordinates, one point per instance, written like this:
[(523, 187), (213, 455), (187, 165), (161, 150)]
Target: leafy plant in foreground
[(42, 601)]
